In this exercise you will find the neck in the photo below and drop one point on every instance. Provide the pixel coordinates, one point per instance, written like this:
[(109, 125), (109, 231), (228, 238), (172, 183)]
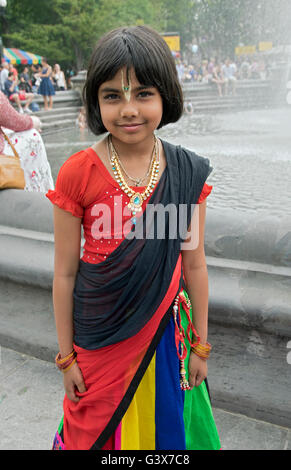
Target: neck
[(134, 151)]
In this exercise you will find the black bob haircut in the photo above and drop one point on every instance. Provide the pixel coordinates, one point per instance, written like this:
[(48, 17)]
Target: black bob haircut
[(143, 49)]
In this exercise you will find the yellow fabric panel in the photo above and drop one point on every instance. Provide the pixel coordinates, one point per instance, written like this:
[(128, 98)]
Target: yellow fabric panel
[(138, 424)]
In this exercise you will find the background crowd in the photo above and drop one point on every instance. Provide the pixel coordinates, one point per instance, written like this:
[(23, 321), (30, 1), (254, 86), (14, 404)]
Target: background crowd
[(22, 84), (223, 74)]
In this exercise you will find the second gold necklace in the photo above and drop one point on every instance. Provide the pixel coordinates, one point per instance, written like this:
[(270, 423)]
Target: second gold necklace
[(136, 198)]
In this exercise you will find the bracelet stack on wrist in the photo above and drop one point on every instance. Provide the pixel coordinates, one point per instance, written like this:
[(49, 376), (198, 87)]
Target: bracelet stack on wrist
[(65, 363), (202, 350)]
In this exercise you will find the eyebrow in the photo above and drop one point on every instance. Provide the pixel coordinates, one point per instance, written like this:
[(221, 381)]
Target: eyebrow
[(116, 90)]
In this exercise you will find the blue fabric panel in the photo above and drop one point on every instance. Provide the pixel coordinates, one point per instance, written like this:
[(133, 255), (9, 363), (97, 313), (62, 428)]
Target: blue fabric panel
[(170, 431)]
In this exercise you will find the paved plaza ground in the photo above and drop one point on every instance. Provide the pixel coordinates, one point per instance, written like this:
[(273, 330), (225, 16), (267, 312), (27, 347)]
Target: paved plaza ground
[(31, 394)]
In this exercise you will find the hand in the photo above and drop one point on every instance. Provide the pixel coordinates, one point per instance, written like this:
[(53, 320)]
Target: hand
[(73, 379), (36, 123), (197, 370)]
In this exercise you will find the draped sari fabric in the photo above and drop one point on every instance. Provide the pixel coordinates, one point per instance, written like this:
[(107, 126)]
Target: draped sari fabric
[(122, 306)]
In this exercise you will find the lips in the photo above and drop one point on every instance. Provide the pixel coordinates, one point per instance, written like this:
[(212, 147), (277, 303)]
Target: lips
[(131, 127), (132, 124)]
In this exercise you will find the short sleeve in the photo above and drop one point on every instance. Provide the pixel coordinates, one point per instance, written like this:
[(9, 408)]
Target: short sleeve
[(206, 190), (69, 188)]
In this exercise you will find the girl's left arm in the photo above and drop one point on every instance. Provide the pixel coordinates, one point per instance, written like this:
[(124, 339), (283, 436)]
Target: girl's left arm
[(195, 272), (196, 278)]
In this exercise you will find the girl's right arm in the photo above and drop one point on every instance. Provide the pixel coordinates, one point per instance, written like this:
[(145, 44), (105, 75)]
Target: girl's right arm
[(67, 256)]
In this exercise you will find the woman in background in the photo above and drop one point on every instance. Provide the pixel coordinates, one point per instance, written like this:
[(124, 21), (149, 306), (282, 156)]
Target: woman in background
[(59, 78), (46, 88), (23, 132)]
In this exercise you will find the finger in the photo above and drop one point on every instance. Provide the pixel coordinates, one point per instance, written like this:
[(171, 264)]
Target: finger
[(199, 380), (71, 395), (79, 382), (192, 381), (81, 386)]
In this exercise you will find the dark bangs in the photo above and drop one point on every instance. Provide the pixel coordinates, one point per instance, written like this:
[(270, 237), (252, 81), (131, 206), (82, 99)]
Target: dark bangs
[(143, 49)]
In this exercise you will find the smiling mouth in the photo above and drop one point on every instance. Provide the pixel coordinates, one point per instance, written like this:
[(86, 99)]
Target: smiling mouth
[(131, 124)]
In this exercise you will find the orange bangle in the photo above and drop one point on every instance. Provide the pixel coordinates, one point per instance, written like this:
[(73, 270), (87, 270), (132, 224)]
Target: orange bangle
[(202, 350), (64, 363), (60, 360), (69, 367)]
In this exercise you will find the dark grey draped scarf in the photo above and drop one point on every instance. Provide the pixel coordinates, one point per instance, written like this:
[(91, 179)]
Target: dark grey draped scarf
[(114, 299)]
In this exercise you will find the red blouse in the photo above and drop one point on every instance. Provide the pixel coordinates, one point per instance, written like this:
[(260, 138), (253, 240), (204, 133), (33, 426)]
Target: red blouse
[(85, 188)]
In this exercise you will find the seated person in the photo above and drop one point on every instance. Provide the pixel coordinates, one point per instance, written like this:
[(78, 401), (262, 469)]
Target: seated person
[(24, 84), (11, 91), (35, 78)]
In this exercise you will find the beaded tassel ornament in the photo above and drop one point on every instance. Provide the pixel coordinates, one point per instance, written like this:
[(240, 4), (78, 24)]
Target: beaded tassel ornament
[(180, 335)]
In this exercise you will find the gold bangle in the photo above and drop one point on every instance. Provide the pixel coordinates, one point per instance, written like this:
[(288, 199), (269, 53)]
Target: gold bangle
[(60, 360), (69, 367), (202, 350), (200, 355)]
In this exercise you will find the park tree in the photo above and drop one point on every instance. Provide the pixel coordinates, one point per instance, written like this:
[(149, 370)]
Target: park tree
[(66, 31), (61, 30)]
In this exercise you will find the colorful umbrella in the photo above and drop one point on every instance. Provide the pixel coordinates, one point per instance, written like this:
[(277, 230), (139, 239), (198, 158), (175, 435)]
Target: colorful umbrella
[(16, 56)]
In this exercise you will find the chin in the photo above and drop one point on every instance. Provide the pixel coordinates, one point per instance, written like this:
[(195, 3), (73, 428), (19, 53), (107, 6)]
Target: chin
[(140, 134)]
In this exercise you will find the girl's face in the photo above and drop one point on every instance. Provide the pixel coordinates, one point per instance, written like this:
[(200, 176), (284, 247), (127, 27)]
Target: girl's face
[(129, 110)]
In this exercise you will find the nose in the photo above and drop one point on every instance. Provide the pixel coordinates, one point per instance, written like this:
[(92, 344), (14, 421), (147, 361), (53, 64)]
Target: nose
[(128, 109)]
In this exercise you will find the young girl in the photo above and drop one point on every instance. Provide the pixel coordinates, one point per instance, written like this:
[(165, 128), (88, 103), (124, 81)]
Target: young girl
[(134, 364), (46, 88)]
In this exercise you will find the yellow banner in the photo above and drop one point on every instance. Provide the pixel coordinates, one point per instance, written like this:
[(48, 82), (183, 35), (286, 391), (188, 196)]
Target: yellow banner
[(245, 50), (173, 42), (265, 46)]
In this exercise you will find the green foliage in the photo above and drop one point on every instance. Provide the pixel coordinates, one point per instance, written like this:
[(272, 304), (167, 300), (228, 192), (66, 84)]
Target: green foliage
[(61, 30), (65, 31)]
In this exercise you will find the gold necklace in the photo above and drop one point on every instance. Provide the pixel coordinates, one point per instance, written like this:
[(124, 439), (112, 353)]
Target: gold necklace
[(136, 198), (139, 180)]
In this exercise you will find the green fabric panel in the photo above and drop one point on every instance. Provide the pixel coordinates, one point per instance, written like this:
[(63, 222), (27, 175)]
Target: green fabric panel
[(200, 428), (61, 425)]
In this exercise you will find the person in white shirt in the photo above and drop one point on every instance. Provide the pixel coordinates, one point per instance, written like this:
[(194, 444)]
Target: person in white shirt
[(4, 75), (229, 71), (180, 70), (59, 78)]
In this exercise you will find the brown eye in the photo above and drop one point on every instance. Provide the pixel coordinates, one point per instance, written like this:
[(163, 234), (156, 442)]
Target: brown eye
[(145, 94), (111, 96)]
